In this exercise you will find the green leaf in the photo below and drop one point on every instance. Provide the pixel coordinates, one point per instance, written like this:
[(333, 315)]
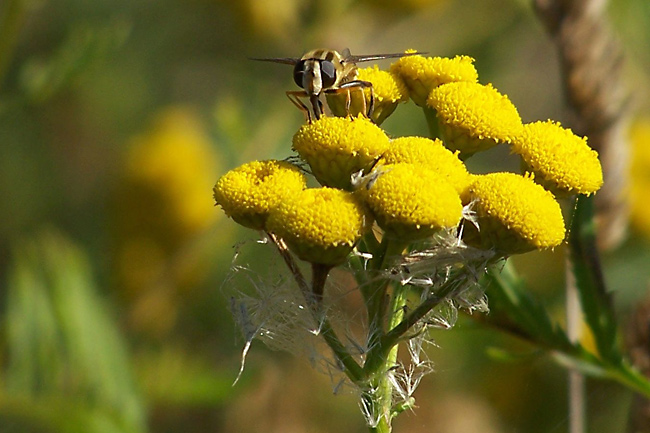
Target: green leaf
[(41, 78), (513, 308), (596, 302), (176, 376), (62, 343), (514, 311)]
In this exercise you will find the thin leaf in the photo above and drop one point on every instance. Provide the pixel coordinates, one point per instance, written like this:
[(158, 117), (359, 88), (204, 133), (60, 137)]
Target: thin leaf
[(528, 317), (62, 342), (596, 302)]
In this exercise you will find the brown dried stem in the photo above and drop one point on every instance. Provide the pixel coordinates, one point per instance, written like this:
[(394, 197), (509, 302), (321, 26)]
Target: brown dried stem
[(592, 65)]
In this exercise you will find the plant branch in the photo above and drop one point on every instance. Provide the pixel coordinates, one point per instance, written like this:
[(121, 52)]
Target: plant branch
[(527, 319), (596, 302), (352, 369), (592, 72)]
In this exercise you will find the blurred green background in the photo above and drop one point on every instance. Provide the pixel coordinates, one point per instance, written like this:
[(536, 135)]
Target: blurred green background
[(117, 117)]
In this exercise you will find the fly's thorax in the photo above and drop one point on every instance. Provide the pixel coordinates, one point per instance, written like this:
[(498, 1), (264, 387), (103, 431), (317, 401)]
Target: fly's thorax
[(349, 72), (323, 54)]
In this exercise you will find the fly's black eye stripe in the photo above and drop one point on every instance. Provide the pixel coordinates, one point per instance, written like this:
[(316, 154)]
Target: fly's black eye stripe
[(299, 73), (328, 73)]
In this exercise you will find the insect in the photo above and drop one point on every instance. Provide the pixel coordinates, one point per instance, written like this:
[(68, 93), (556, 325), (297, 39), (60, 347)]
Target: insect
[(328, 71)]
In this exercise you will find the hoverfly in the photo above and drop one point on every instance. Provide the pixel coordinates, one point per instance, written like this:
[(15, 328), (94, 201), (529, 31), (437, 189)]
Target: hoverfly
[(328, 71)]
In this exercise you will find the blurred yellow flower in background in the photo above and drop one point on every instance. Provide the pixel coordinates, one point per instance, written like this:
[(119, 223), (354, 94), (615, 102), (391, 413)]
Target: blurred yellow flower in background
[(175, 162), (161, 205), (640, 175), (268, 19), (406, 5)]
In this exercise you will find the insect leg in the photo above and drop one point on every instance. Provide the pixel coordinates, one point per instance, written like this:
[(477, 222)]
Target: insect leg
[(294, 96), (348, 100), (317, 105), (359, 84), (371, 107)]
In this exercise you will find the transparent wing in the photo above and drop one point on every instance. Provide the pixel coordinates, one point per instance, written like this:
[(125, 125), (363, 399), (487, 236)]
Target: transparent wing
[(285, 60), (370, 57)]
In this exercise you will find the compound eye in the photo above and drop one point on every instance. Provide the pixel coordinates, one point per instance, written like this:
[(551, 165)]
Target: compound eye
[(327, 73), (299, 73)]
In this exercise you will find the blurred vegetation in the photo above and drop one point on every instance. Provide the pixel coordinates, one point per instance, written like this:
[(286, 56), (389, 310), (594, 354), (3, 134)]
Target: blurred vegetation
[(115, 119)]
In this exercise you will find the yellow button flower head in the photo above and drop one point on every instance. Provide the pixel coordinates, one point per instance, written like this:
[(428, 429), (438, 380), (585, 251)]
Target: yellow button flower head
[(640, 175), (423, 74), (515, 215), (161, 206), (320, 225), (388, 89), (562, 162), (433, 155), (410, 201), (248, 193), (474, 117), (336, 147), (167, 171)]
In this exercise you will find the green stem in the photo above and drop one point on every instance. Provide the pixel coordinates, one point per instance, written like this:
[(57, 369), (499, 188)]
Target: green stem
[(382, 427), (359, 265), (432, 122), (378, 397), (631, 378), (395, 316), (508, 295), (596, 302), (352, 369), (383, 356), (374, 294), (396, 333), (379, 353)]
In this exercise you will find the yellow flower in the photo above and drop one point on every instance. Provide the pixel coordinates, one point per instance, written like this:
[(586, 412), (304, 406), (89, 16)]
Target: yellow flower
[(640, 175), (423, 74), (410, 201), (433, 155), (407, 6), (514, 214), (248, 193), (167, 171), (320, 225), (337, 147), (160, 208), (267, 20), (388, 89), (562, 162), (474, 117)]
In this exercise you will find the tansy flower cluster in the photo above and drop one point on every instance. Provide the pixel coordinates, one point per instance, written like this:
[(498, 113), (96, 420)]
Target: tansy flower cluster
[(415, 186), (404, 213)]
